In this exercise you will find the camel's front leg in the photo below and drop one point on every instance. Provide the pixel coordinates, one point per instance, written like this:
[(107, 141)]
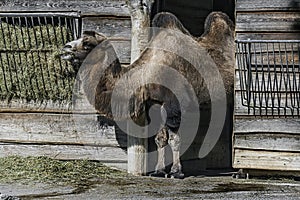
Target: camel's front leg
[(174, 142), (161, 141)]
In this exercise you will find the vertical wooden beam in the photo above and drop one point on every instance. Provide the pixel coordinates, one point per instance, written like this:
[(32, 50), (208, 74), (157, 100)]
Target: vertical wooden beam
[(140, 11)]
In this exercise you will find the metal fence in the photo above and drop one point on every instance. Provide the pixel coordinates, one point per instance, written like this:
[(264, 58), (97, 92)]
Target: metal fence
[(30, 67), (269, 76)]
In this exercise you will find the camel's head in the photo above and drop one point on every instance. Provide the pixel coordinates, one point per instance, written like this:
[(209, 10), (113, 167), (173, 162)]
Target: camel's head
[(77, 50)]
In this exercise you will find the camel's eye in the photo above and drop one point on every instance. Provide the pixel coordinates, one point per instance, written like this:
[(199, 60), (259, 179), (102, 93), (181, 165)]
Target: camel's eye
[(86, 45)]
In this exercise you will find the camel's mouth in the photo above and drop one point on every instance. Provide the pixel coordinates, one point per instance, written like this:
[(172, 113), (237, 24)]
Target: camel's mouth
[(67, 54)]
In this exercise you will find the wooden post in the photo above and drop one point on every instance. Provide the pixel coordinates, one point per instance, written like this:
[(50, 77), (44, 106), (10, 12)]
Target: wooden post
[(140, 19), (140, 11)]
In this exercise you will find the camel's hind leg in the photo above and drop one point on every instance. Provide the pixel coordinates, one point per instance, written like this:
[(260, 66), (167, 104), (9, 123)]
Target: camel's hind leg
[(161, 141), (174, 142)]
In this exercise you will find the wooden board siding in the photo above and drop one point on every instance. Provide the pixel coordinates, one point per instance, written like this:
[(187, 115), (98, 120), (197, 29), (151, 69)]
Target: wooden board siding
[(268, 22), (60, 136), (87, 7), (266, 142), (266, 160), (267, 5), (269, 144), (270, 19)]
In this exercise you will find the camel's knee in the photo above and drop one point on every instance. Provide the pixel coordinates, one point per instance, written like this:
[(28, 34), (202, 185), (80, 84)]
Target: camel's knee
[(174, 141), (162, 137)]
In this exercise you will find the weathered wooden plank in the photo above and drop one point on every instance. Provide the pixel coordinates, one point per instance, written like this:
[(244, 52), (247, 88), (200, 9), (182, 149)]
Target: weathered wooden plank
[(266, 160), (271, 173), (267, 36), (15, 133), (267, 141), (65, 152), (267, 5), (280, 125), (268, 22), (19, 105), (87, 7), (57, 129), (110, 26)]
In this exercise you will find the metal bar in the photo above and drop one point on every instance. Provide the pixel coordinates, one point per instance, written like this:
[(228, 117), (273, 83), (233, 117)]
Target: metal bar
[(280, 81), (295, 88), (275, 84), (48, 41), (41, 31), (47, 31), (28, 33), (12, 86), (244, 70), (263, 86), (267, 41), (60, 62), (3, 72), (298, 97), (16, 64)]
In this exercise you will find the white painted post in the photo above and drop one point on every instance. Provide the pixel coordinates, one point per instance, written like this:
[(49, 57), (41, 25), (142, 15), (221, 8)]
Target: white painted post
[(140, 19)]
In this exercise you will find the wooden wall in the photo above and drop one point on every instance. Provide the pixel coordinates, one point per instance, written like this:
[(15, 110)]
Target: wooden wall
[(268, 19), (50, 129), (265, 143)]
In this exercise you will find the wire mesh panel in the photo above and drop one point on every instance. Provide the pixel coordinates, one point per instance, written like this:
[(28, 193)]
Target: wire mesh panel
[(30, 67), (269, 77)]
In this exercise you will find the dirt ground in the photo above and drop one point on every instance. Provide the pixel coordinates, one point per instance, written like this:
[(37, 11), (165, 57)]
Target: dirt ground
[(133, 187)]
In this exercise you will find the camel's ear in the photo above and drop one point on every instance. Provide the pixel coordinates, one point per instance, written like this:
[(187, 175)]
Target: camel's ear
[(100, 37)]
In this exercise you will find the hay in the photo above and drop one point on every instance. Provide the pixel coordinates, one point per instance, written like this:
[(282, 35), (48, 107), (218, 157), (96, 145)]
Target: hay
[(47, 170), (31, 68)]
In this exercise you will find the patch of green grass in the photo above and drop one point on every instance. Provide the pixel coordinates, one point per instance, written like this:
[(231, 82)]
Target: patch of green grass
[(47, 170)]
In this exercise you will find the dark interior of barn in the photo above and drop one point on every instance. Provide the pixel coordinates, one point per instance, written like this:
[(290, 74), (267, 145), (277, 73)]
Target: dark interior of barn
[(193, 13)]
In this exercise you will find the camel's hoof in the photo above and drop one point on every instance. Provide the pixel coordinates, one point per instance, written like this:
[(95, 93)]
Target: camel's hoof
[(177, 175), (158, 174)]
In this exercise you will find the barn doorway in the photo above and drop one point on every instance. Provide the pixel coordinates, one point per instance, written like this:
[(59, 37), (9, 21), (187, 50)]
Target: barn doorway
[(193, 13)]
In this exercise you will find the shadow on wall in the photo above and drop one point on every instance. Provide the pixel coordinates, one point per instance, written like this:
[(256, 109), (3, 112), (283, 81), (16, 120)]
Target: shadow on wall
[(295, 4)]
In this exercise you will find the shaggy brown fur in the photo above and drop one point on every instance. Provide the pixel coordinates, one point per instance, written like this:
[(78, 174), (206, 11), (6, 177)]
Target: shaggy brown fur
[(217, 43)]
